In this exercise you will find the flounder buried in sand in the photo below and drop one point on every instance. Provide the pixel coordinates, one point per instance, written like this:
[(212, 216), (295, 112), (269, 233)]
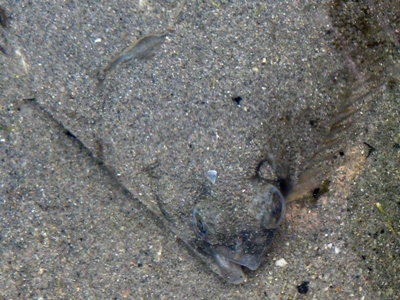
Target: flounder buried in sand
[(219, 173)]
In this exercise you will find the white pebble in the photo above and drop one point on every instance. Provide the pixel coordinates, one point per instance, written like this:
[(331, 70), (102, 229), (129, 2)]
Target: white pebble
[(281, 262), (212, 175)]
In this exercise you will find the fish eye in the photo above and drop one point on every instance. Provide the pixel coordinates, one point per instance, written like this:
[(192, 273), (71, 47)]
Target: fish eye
[(275, 209), (199, 224), (201, 227)]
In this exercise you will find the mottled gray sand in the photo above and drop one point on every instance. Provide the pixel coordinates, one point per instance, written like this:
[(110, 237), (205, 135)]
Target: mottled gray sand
[(69, 230)]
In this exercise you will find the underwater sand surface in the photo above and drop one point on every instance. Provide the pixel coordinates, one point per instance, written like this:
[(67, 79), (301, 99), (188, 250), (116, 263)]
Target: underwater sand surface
[(317, 91)]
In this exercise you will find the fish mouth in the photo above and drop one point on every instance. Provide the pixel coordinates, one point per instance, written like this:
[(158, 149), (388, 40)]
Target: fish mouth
[(231, 271), (232, 261)]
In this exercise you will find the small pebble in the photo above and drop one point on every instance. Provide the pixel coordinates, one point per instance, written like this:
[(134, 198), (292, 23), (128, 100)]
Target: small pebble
[(212, 175), (281, 262)]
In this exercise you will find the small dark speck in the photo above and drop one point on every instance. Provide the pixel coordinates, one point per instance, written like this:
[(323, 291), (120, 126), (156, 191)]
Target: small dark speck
[(363, 257), (313, 123), (316, 192), (3, 18), (396, 146), (140, 265), (303, 287), (341, 153), (370, 149), (237, 100), (69, 133), (3, 50)]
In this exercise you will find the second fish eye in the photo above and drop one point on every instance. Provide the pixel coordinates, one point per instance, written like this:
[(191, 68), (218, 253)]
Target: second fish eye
[(201, 227)]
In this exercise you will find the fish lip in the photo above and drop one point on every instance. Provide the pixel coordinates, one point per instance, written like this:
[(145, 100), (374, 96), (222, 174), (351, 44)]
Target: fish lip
[(229, 270), (231, 267), (250, 261), (249, 254)]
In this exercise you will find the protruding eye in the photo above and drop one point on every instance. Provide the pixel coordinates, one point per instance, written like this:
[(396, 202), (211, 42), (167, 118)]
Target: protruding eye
[(199, 225), (275, 206), (201, 228)]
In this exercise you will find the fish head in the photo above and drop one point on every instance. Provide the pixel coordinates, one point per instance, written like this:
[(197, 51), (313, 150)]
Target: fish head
[(237, 236)]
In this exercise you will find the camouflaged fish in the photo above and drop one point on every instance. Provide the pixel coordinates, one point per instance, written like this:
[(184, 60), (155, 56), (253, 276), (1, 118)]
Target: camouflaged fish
[(220, 175), (222, 186)]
